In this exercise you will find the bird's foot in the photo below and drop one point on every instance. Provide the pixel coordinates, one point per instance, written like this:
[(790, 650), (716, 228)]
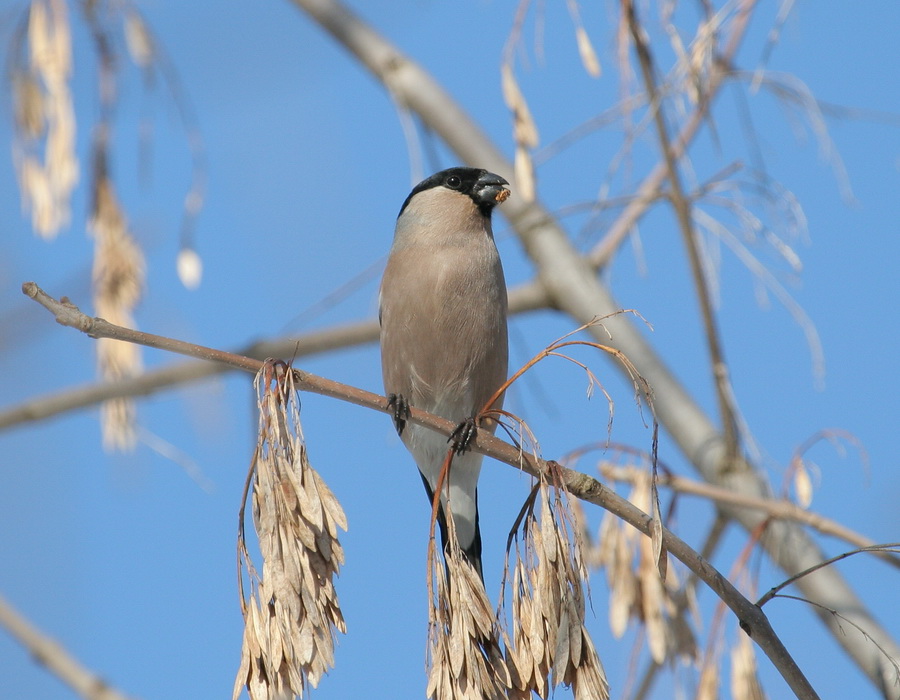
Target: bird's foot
[(463, 435), (399, 408)]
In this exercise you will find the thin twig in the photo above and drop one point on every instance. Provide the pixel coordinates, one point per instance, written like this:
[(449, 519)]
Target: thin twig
[(891, 661), (651, 186), (683, 214), (774, 508), (893, 547)]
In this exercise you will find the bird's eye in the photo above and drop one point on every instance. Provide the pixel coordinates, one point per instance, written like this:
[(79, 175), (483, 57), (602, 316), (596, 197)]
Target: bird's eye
[(453, 182)]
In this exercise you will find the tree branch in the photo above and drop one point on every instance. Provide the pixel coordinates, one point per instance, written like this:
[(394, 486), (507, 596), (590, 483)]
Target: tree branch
[(523, 298), (887, 548), (780, 509), (752, 619), (58, 661)]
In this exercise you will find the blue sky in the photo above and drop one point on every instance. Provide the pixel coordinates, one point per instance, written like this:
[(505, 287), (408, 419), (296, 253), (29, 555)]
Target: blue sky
[(130, 564)]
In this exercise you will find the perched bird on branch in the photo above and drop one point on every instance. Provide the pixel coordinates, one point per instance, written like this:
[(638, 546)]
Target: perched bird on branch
[(442, 308)]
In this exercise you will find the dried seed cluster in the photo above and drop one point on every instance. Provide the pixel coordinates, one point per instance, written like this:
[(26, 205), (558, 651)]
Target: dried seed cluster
[(744, 678), (48, 171), (550, 643), (745, 683), (637, 588), (44, 153), (292, 615), (118, 281), (465, 654)]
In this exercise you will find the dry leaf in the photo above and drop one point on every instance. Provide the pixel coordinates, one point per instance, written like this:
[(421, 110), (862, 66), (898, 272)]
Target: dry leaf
[(524, 169), (586, 51), (138, 40), (802, 484), (525, 133), (653, 602), (745, 684), (29, 105), (660, 555), (118, 280), (47, 170), (708, 687), (525, 129)]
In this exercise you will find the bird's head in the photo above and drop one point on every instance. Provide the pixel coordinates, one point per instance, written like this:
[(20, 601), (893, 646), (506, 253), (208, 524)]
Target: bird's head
[(484, 188)]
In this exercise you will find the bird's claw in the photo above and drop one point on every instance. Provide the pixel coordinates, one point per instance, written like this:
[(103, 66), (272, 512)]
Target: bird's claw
[(463, 435), (399, 407)]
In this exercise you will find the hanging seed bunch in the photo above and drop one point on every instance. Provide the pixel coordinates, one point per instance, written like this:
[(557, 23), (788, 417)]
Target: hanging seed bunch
[(118, 283), (465, 661), (639, 588), (44, 151), (292, 616), (550, 644), (48, 171), (745, 683)]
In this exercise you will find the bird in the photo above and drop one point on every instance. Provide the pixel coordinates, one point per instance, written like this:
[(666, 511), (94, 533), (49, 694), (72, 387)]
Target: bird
[(444, 345)]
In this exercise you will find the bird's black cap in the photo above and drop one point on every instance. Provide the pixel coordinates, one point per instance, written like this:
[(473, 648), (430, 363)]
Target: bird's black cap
[(482, 186)]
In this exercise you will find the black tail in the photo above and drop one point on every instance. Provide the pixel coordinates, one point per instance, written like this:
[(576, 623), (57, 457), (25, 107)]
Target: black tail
[(472, 552)]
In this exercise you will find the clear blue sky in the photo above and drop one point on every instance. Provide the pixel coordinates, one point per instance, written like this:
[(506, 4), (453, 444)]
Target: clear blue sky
[(131, 565)]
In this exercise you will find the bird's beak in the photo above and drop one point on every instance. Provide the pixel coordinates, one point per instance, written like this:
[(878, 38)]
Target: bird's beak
[(490, 188)]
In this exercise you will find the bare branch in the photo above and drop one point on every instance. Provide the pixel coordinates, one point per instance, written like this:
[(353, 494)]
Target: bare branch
[(682, 207), (153, 381), (526, 297), (68, 314), (651, 186), (890, 548), (58, 661), (751, 618), (891, 661), (774, 508)]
